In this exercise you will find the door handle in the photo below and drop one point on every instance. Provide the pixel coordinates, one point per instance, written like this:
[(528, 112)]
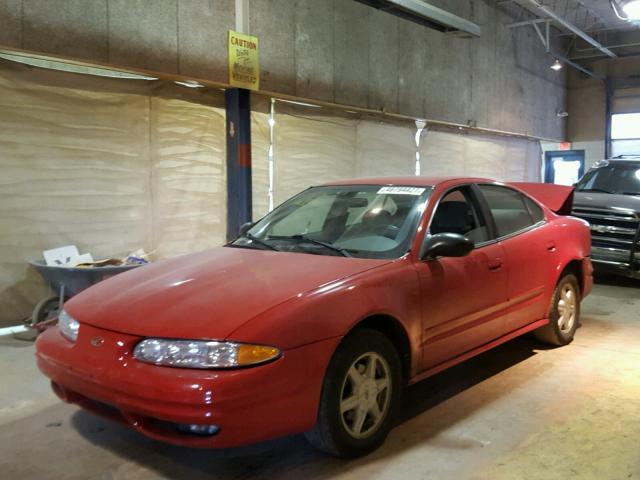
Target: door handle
[(495, 264), (551, 246)]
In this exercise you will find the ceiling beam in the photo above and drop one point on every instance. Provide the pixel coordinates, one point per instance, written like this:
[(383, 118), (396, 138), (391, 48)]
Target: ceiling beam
[(571, 27), (577, 66), (527, 22)]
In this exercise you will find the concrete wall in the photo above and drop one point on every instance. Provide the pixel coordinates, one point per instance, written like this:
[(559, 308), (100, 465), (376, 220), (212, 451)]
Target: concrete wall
[(335, 50), (587, 116)]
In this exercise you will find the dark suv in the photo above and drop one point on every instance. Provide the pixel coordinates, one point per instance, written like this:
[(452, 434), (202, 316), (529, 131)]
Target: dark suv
[(608, 197)]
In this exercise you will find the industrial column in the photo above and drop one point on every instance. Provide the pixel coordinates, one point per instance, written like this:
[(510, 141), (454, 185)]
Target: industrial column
[(239, 202)]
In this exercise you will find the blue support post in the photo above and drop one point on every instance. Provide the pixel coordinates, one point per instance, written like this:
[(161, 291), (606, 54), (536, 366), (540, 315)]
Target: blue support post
[(238, 108)]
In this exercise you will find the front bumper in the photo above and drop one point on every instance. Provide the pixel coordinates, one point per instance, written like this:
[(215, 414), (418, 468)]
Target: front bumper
[(616, 261), (248, 405)]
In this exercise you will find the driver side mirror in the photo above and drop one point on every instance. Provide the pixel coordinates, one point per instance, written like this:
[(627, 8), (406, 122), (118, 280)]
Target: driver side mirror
[(244, 228), (445, 245)]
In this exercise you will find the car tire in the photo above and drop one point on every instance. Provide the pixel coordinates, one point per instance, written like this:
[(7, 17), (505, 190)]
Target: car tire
[(362, 365), (564, 313)]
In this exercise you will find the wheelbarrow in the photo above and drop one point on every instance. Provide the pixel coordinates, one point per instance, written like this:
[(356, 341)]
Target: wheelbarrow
[(67, 281)]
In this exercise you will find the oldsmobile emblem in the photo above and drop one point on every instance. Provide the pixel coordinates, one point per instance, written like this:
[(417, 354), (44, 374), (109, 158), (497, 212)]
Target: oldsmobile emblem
[(97, 341)]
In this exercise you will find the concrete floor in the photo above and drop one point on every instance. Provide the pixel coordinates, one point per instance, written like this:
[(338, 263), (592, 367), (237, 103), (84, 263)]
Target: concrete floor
[(517, 412)]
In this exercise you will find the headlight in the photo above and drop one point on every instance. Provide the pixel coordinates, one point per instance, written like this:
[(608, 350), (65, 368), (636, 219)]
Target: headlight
[(202, 354), (68, 326)]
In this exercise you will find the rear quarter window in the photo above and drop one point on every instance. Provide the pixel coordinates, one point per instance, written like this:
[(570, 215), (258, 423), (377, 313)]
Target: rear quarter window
[(534, 209)]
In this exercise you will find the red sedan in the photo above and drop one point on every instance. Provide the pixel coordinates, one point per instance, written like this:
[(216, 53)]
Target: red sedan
[(319, 314)]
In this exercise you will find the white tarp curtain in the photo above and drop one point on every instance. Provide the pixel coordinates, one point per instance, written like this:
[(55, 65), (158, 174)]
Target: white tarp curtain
[(189, 179), (311, 150), (260, 141), (384, 148), (444, 153), (312, 146), (107, 165)]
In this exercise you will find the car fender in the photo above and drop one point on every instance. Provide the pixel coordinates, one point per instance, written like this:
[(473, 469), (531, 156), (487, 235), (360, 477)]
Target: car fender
[(333, 310), (573, 244)]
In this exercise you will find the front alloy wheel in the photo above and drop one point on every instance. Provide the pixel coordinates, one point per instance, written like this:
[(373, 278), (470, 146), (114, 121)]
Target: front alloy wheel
[(365, 395), (360, 393)]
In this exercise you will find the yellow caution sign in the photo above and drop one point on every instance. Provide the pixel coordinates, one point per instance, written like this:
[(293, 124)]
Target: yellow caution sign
[(244, 69)]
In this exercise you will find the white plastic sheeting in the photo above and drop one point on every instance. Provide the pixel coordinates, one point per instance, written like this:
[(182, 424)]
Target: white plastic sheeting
[(107, 165), (188, 169), (312, 146), (311, 150), (445, 153), (260, 142), (385, 148)]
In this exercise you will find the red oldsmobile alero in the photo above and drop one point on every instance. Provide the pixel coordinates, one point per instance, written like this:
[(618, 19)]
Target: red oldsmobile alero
[(318, 315)]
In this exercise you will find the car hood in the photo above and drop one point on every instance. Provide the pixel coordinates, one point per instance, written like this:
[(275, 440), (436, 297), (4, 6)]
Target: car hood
[(209, 294), (606, 200)]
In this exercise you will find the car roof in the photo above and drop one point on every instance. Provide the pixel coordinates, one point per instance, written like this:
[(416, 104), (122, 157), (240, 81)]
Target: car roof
[(408, 180)]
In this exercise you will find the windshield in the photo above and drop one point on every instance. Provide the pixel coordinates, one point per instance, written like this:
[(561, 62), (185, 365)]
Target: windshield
[(619, 178), (365, 221)]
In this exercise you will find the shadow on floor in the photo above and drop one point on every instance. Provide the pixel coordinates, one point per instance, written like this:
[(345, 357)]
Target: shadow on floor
[(293, 456)]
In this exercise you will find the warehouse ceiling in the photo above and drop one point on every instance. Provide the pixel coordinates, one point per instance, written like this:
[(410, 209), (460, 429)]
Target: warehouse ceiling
[(583, 31)]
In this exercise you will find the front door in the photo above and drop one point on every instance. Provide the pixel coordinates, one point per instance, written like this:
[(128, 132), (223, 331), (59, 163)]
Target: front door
[(463, 299)]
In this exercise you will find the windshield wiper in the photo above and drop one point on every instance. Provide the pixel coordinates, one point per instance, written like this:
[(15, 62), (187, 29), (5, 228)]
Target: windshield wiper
[(635, 194), (259, 241), (595, 190), (304, 238)]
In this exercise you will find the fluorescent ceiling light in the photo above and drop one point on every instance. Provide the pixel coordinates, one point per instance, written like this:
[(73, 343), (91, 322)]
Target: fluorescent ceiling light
[(423, 13), (299, 103), (556, 65), (54, 64), (189, 83), (628, 10), (632, 9)]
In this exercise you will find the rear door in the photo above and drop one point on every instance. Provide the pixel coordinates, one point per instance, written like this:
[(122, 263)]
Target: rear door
[(463, 299), (529, 249)]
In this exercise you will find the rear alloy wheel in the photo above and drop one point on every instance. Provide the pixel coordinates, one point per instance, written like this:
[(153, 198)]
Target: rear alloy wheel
[(360, 393), (564, 313)]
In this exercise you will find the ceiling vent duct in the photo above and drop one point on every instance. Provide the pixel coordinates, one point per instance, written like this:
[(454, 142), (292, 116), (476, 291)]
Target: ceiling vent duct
[(425, 14)]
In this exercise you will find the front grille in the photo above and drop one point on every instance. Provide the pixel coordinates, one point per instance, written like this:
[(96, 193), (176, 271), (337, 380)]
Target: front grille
[(615, 234)]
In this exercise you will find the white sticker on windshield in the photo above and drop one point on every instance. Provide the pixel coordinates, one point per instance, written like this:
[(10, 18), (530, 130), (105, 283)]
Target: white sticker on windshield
[(402, 190)]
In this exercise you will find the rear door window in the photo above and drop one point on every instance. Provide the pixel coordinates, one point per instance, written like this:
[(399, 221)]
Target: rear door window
[(509, 209)]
